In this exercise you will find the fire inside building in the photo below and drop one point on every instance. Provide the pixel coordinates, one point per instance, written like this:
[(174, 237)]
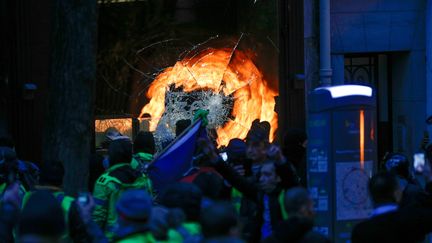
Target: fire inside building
[(142, 41), (355, 75), (212, 55)]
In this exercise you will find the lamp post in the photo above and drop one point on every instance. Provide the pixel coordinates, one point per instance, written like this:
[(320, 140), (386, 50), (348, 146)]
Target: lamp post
[(429, 60), (325, 58)]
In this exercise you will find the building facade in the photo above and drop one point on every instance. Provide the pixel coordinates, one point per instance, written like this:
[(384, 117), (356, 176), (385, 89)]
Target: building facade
[(383, 43)]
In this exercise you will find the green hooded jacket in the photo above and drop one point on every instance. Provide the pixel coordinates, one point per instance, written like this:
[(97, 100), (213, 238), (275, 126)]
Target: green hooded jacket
[(142, 238), (106, 192), (140, 159), (139, 162)]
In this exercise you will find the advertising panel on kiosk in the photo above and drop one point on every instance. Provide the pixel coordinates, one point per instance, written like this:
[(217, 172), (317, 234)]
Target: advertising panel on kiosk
[(341, 156)]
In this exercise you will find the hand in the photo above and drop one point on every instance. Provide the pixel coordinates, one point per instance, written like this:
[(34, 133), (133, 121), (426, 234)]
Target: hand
[(86, 210), (207, 148), (201, 114), (275, 153)]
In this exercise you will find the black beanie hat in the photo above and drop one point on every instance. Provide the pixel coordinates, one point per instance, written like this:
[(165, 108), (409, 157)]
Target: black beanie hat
[(42, 215), (236, 149), (258, 132), (120, 151), (144, 143)]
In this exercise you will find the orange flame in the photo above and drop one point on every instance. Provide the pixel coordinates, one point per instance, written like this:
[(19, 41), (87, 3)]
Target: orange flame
[(213, 70), (362, 139)]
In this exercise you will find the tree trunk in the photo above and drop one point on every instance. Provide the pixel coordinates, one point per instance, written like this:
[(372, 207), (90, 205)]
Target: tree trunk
[(4, 70), (69, 119)]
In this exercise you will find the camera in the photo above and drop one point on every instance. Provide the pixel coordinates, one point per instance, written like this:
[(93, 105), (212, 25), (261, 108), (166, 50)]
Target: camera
[(83, 198)]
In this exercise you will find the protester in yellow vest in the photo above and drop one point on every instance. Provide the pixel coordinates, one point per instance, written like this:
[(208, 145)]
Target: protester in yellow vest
[(108, 188), (41, 220), (143, 150), (298, 224), (51, 180)]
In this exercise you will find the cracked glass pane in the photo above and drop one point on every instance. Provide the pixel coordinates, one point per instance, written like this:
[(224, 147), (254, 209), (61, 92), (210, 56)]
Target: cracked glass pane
[(171, 58)]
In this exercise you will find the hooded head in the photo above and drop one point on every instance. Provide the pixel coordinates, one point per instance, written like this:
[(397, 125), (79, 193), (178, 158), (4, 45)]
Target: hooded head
[(134, 206), (236, 149), (398, 164), (120, 151), (185, 196), (257, 141), (144, 143), (259, 132)]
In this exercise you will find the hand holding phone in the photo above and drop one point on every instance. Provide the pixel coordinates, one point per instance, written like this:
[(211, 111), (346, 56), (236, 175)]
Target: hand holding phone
[(419, 162), (85, 205), (224, 156), (83, 198)]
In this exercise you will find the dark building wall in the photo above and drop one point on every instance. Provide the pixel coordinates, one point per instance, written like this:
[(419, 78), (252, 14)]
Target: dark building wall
[(291, 105), (25, 56), (3, 68)]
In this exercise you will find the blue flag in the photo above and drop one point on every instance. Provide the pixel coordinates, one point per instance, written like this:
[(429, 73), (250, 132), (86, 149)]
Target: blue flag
[(175, 160)]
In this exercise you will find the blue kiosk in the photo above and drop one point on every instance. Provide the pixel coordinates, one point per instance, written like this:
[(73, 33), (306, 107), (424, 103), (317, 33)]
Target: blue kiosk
[(341, 156)]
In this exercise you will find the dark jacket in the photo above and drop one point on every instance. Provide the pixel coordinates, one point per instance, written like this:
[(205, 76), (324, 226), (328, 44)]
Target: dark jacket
[(8, 218), (296, 230), (409, 224), (106, 191), (412, 195), (252, 191), (223, 240)]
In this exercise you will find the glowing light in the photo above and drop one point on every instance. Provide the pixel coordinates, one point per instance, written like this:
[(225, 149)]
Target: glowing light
[(348, 90), (123, 125), (362, 139)]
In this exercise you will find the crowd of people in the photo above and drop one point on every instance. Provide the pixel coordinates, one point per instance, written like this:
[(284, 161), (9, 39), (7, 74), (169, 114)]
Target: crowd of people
[(249, 191)]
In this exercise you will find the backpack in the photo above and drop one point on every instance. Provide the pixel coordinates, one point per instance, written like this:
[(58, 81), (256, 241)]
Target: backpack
[(119, 178), (139, 181)]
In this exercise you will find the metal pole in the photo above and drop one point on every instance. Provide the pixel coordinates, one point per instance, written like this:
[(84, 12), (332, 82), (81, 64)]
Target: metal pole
[(325, 58), (429, 61)]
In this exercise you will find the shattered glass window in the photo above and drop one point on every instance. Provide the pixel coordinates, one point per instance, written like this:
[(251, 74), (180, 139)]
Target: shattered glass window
[(163, 60)]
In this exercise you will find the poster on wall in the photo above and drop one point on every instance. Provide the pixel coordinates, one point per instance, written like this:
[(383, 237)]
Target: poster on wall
[(352, 197)]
